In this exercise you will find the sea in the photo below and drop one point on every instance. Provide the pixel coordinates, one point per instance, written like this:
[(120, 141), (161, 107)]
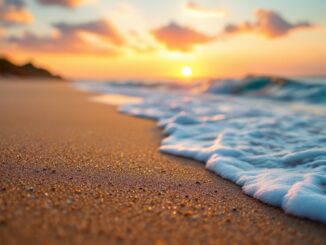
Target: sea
[(266, 134)]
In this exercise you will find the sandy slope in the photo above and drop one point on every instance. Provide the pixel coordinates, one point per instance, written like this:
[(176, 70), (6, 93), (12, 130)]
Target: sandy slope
[(73, 171)]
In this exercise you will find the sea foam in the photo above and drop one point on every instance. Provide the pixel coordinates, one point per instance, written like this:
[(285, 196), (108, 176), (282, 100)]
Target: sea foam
[(273, 148)]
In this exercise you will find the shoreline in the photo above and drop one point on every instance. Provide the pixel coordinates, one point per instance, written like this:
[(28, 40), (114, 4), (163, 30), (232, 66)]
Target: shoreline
[(76, 171)]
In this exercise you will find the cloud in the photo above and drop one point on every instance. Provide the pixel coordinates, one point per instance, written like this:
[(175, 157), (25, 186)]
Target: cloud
[(268, 23), (176, 37), (63, 3), (102, 28), (98, 37), (195, 10), (13, 12)]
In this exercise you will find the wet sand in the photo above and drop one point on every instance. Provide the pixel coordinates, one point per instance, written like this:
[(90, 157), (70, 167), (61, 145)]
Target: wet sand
[(73, 171)]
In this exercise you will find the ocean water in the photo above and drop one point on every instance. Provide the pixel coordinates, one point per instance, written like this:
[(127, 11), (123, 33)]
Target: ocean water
[(266, 134)]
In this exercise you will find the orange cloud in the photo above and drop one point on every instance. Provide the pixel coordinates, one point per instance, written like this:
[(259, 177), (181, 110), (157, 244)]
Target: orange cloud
[(195, 10), (62, 3), (268, 23), (102, 28), (12, 12), (98, 37), (176, 37)]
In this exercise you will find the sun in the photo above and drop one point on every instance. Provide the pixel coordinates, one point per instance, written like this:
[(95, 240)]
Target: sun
[(186, 71)]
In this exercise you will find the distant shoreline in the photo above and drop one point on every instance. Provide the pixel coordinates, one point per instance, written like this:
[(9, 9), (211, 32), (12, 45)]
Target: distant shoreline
[(31, 79), (28, 70)]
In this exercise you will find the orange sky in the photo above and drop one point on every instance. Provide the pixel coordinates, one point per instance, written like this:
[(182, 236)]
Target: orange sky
[(123, 42)]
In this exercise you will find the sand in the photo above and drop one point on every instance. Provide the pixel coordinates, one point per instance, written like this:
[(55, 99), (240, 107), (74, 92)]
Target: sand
[(74, 171)]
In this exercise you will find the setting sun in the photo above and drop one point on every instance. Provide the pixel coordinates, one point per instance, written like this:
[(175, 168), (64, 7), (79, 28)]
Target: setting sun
[(186, 71)]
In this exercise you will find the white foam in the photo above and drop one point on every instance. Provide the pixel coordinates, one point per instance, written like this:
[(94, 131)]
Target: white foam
[(277, 154)]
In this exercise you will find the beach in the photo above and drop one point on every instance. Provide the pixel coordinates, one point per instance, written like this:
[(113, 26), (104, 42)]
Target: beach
[(73, 171)]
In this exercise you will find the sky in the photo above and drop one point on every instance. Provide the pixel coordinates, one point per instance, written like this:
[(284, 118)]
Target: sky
[(141, 39)]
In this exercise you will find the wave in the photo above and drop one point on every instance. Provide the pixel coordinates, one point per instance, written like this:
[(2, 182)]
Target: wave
[(305, 90), (275, 150), (271, 87)]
